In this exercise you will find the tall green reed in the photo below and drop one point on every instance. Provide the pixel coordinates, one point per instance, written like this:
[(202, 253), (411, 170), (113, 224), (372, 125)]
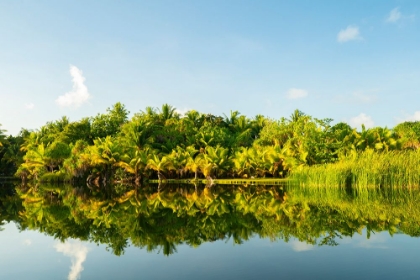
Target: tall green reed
[(369, 169)]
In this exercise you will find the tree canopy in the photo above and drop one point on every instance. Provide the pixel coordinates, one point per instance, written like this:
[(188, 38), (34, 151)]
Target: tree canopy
[(160, 143)]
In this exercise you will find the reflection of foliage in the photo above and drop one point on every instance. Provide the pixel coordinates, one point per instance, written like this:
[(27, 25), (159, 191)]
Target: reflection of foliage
[(161, 219)]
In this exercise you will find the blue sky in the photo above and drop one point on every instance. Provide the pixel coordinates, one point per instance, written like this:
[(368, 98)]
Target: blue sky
[(353, 61)]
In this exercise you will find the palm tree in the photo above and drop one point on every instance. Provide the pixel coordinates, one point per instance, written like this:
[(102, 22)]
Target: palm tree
[(135, 162), (194, 165), (138, 133), (231, 120), (296, 115), (35, 161), (167, 112), (217, 158), (244, 162), (105, 153), (160, 165), (2, 136)]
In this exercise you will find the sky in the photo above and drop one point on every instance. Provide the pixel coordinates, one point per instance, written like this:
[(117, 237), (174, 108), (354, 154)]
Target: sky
[(353, 61)]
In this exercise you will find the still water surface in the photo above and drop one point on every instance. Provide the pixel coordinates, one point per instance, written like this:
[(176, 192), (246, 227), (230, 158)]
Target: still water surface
[(179, 232)]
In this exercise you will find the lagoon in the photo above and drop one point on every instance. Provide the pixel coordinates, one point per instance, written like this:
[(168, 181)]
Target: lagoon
[(226, 232)]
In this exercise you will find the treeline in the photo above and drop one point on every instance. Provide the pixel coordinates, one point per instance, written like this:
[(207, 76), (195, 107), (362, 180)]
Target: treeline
[(158, 143)]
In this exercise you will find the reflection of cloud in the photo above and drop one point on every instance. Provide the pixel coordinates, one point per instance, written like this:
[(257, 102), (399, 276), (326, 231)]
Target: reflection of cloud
[(77, 252), (375, 241), (298, 246), (27, 242), (79, 94)]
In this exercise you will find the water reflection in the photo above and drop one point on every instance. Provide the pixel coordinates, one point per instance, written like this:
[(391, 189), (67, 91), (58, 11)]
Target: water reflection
[(159, 219), (77, 252)]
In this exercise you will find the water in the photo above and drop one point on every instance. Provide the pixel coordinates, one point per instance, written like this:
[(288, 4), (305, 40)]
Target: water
[(241, 232)]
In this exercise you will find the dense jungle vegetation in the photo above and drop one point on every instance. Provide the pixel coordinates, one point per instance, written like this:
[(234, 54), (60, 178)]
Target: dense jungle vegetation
[(160, 143)]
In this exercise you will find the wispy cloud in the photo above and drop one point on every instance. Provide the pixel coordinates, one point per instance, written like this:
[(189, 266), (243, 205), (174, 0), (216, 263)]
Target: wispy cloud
[(268, 102), (411, 118), (394, 15), (79, 94), (363, 97), (298, 246), (27, 242), (29, 106), (348, 34), (296, 93), (358, 97), (182, 112), (375, 241), (361, 119), (77, 252)]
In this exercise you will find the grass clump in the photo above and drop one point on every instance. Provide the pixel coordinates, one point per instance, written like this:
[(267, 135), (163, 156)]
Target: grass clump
[(368, 169)]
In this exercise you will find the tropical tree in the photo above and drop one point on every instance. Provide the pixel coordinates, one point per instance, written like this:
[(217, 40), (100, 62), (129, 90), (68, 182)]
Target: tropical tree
[(244, 164), (160, 164), (135, 162), (104, 155), (167, 112), (109, 124), (409, 133), (194, 164), (34, 163), (216, 159), (2, 136)]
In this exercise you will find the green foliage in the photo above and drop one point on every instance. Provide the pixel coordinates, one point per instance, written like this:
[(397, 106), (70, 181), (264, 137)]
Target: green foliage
[(195, 144), (410, 134), (109, 124), (369, 169)]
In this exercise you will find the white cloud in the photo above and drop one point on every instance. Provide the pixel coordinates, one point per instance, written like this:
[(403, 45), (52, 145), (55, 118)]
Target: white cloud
[(361, 119), (27, 242), (363, 97), (394, 15), (182, 112), (295, 93), (77, 252), (349, 34), (411, 118), (29, 106), (298, 246), (358, 97), (79, 94)]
